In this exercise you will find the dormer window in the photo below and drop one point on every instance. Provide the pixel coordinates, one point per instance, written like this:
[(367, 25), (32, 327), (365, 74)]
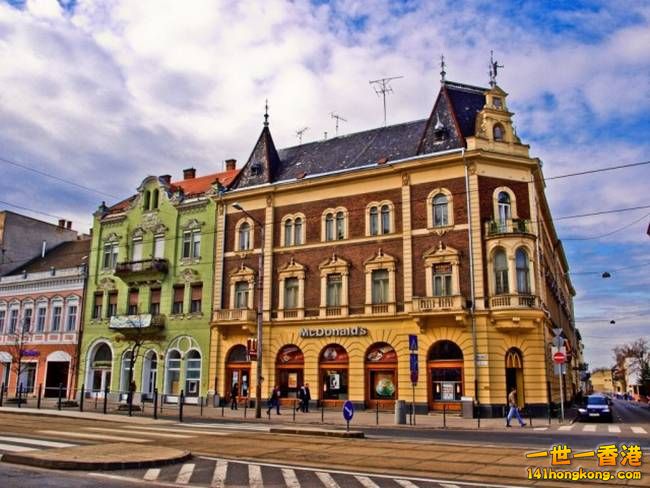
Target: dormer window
[(498, 132), (256, 169), (497, 102)]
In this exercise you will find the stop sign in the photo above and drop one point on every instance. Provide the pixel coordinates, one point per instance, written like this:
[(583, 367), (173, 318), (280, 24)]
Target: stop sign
[(559, 357)]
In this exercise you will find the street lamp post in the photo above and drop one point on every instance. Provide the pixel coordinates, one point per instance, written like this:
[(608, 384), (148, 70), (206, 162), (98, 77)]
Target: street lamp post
[(260, 304)]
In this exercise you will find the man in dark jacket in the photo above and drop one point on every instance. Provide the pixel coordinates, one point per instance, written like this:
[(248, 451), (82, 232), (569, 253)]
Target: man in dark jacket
[(306, 398), (234, 392)]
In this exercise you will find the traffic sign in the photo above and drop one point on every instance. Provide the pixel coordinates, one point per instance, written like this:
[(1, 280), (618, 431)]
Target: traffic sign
[(414, 368), (558, 341), (348, 410), (557, 331), (559, 357), (413, 342)]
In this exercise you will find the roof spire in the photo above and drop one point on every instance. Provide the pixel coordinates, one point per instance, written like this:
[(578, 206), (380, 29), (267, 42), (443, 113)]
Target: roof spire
[(266, 113), (443, 73), (494, 66)]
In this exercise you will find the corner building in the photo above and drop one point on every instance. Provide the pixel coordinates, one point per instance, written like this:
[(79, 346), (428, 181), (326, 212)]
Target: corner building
[(437, 228)]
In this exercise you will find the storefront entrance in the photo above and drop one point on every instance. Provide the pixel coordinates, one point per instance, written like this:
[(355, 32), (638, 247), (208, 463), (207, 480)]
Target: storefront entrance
[(515, 374), (289, 367), (57, 374), (99, 373), (333, 366), (238, 370), (445, 367), (381, 375)]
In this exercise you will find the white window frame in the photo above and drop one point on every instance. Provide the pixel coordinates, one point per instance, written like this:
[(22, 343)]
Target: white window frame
[(440, 255), (380, 261), (513, 204), (380, 227), (159, 246), (334, 265), (291, 270), (242, 274), (112, 249), (60, 304), (73, 302), (346, 220), (251, 235), (294, 238), (450, 208)]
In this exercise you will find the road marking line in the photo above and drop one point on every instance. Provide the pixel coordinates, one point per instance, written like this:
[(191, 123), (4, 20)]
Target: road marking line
[(127, 431), (36, 442), (613, 428), (565, 427), (185, 474), (103, 437), (638, 430), (589, 428), (151, 474), (219, 476), (540, 428), (406, 484), (185, 431), (448, 485), (290, 478), (231, 426), (367, 482), (327, 480), (255, 476), (12, 448)]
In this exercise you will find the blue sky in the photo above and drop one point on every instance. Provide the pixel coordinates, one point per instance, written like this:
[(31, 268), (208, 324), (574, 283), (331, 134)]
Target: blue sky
[(105, 92)]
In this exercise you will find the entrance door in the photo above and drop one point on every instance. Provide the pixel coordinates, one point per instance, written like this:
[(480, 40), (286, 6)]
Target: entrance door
[(381, 375), (101, 381), (515, 374), (149, 374), (57, 374), (289, 381), (289, 371), (445, 371)]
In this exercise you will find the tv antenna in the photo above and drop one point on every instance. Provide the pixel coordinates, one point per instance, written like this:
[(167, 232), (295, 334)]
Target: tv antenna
[(300, 132), (382, 87), (338, 119)]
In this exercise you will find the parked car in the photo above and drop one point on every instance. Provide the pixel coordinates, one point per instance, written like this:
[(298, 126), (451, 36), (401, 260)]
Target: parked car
[(597, 407)]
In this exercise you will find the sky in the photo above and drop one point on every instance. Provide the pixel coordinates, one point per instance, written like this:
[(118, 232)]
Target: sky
[(106, 92)]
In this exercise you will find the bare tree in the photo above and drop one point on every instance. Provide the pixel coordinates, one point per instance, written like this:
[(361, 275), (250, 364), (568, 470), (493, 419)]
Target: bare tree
[(634, 358), (19, 337)]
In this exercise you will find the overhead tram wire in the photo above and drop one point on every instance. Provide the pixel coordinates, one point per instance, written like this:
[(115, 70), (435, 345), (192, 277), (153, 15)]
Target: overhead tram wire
[(598, 170), (607, 234)]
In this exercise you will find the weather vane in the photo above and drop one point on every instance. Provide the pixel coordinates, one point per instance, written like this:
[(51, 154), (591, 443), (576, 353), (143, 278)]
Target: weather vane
[(266, 113), (443, 73), (494, 66)]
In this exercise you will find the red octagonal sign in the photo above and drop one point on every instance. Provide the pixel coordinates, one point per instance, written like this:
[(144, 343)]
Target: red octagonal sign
[(559, 357)]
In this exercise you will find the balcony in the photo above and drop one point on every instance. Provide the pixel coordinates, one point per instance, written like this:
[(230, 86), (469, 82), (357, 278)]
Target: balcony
[(144, 321), (516, 313), (514, 301), (437, 305), (380, 308), (509, 226), (230, 315), (144, 270)]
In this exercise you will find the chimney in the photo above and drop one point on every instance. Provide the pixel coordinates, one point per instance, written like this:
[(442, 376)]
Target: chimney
[(68, 225), (189, 173), (165, 179), (62, 223), (231, 164)]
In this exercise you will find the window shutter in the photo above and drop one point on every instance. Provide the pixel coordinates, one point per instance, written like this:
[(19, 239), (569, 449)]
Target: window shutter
[(197, 291), (178, 293), (155, 295)]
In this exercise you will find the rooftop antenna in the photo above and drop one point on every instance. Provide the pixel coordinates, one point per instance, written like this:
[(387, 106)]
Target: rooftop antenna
[(443, 73), (382, 87), (338, 119), (494, 67), (300, 132)]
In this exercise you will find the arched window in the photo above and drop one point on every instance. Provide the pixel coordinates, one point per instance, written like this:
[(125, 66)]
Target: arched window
[(498, 132), (126, 369), (103, 356), (501, 272), (374, 224), (288, 231), (172, 381), (244, 236), (297, 231), (329, 227), (340, 225), (154, 199), (523, 274), (445, 350), (385, 219), (440, 213), (193, 373), (504, 207), (147, 198)]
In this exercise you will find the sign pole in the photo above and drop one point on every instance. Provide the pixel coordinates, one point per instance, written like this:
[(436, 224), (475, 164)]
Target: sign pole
[(413, 404), (561, 395)]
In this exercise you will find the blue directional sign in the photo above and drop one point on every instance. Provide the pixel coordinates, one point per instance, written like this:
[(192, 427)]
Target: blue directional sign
[(413, 342), (414, 367), (348, 410)]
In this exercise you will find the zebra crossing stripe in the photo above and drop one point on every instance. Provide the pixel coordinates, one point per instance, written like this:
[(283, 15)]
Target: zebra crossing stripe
[(12, 448), (589, 428), (144, 430), (219, 476), (366, 482), (129, 430), (185, 474), (290, 478), (406, 484), (613, 428), (102, 437), (151, 474), (36, 442), (327, 480), (638, 430), (565, 427), (255, 476), (448, 485)]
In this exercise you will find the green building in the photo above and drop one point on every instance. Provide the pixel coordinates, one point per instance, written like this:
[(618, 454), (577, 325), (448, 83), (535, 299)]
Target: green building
[(149, 292)]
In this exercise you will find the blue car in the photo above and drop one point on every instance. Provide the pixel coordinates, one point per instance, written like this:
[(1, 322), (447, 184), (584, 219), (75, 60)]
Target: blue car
[(597, 407)]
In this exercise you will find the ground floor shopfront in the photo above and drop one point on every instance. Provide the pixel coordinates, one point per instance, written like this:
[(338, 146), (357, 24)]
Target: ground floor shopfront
[(369, 363), (49, 368)]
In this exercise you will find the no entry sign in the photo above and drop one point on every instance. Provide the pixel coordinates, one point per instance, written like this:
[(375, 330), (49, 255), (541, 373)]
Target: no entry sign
[(559, 357)]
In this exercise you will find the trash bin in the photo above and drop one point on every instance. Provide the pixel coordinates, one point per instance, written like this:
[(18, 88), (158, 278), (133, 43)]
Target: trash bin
[(400, 412), (215, 400), (468, 407)]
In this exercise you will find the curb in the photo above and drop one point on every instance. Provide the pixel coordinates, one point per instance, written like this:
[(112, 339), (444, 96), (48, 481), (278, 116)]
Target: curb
[(352, 434), (26, 460)]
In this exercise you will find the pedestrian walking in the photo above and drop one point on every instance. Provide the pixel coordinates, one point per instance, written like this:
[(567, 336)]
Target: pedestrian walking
[(234, 392), (514, 408), (301, 399), (306, 398), (274, 401)]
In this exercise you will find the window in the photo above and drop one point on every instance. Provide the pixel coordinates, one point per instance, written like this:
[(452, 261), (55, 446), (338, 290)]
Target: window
[(192, 244), (136, 249), (126, 370), (374, 224), (504, 209), (334, 289), (154, 302), (110, 255), (159, 247), (297, 231), (28, 377), (97, 306), (329, 227), (172, 386), (442, 274), (154, 198), (501, 272), (340, 226), (177, 304), (13, 321), (56, 318), (440, 211), (385, 219), (71, 324), (380, 286), (292, 228), (27, 319), (498, 132), (40, 319), (288, 231), (291, 293), (147, 198), (112, 304), (379, 218), (241, 294), (496, 102), (245, 236), (334, 224), (196, 298), (2, 320), (523, 275), (134, 295), (192, 373)]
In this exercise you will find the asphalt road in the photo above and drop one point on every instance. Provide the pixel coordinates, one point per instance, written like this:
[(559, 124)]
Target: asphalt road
[(12, 476), (630, 412)]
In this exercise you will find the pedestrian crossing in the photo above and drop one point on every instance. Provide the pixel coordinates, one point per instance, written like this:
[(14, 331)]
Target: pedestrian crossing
[(222, 473), (10, 444), (599, 428), (228, 426)]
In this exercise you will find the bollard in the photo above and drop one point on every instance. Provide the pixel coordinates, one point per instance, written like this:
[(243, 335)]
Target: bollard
[(162, 401), (294, 410), (155, 403), (322, 412), (2, 393), (96, 400), (129, 401), (201, 409), (181, 400), (245, 407), (548, 409), (377, 413), (478, 415), (81, 398), (530, 417), (58, 403), (105, 399), (20, 395), (223, 404), (38, 398), (444, 415)]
